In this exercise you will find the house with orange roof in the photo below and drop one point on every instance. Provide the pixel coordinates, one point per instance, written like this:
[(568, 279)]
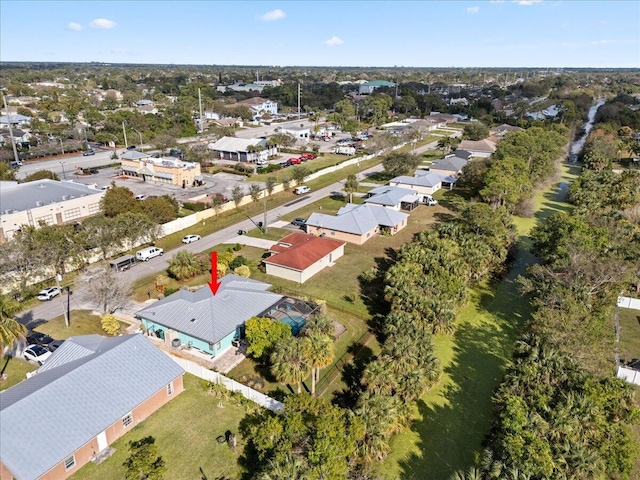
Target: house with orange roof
[(298, 256)]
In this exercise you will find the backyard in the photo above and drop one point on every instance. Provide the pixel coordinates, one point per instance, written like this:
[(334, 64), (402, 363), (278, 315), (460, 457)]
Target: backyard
[(191, 452)]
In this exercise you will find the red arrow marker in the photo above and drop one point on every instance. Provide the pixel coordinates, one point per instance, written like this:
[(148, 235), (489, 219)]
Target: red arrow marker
[(214, 284)]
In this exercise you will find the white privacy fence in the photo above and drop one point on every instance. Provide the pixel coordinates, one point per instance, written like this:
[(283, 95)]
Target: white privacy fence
[(628, 374), (215, 377), (628, 302)]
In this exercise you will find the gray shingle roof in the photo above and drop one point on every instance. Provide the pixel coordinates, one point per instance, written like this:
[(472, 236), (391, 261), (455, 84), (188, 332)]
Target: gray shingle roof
[(429, 180), (23, 196), (202, 315), (94, 383), (391, 196), (357, 219), (450, 164)]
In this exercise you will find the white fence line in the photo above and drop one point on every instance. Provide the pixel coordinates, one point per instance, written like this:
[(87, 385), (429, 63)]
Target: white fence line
[(628, 374), (216, 377), (628, 302)]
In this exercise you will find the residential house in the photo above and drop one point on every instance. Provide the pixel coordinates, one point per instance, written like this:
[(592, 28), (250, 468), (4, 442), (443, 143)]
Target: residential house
[(480, 148), (449, 166), (503, 129), (357, 223), (148, 109), (242, 149), (296, 132), (259, 106), (241, 87), (91, 392), (394, 198), (16, 120), (424, 183), (48, 201), (442, 117), (299, 256), (210, 323), (368, 88), (19, 136), (170, 170)]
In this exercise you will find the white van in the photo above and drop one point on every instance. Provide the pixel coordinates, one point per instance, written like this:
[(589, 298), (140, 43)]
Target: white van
[(301, 190), (262, 162), (429, 200), (147, 253)]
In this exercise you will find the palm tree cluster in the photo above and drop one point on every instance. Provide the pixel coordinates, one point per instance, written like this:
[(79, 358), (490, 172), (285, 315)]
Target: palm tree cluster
[(556, 421), (429, 281), (294, 359), (185, 264)]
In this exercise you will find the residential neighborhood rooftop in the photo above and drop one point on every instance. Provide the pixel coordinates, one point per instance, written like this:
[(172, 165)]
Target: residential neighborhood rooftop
[(299, 250), (357, 219), (25, 196)]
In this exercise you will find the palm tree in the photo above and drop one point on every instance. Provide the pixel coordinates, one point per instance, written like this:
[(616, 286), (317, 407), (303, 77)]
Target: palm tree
[(319, 354), (288, 363), (446, 143), (320, 323), (11, 331), (350, 186), (185, 265)]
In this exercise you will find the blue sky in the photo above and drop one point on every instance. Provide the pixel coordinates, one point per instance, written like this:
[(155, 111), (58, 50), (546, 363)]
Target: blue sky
[(497, 33)]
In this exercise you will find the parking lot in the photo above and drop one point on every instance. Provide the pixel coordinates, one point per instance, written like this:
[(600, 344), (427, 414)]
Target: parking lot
[(218, 183)]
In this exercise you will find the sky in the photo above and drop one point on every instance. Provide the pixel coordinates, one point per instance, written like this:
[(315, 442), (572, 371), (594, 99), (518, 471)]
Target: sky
[(496, 33)]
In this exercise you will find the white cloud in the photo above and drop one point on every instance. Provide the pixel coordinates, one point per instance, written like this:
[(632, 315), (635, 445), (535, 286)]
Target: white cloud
[(74, 26), (496, 1), (333, 41), (473, 9), (601, 42), (273, 15), (527, 2), (102, 23)]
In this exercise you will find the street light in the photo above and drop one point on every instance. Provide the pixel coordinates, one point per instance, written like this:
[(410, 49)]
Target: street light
[(64, 175), (139, 135)]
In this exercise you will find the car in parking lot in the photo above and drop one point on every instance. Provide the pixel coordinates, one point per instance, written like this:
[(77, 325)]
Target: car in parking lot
[(36, 353), (48, 293), (295, 161), (88, 153), (286, 164), (222, 197), (94, 171), (141, 197), (299, 222), (307, 156), (190, 238), (38, 338), (15, 164), (131, 147)]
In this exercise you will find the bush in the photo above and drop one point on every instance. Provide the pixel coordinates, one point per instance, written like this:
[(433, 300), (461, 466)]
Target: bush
[(225, 257), (195, 206), (169, 291), (243, 271), (237, 262), (270, 168), (110, 324), (237, 247)]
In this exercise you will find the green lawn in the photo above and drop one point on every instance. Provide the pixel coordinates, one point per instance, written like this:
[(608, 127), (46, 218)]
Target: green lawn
[(185, 431), (83, 322), (629, 334), (15, 370)]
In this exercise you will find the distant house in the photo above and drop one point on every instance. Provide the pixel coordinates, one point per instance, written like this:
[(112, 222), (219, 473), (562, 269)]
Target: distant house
[(424, 184), (91, 391), (148, 109), (241, 87), (481, 148), (20, 136), (443, 117), (357, 223), (296, 132), (16, 120), (298, 256), (210, 323), (242, 149), (394, 198), (369, 87), (503, 129), (450, 166), (259, 105)]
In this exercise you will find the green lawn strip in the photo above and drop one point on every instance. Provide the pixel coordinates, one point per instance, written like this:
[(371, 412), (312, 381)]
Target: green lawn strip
[(453, 418), (629, 347), (185, 431), (15, 370), (83, 322)]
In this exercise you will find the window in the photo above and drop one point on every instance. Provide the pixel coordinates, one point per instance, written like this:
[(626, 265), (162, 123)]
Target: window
[(127, 420), (332, 232), (72, 213), (218, 345), (48, 219), (170, 388), (69, 463), (94, 208)]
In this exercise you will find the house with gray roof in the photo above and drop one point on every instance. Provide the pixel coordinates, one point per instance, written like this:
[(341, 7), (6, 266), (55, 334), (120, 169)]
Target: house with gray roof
[(450, 166), (242, 149), (15, 119), (49, 201), (424, 182), (478, 148), (209, 322), (394, 198), (357, 223), (94, 390), (370, 87)]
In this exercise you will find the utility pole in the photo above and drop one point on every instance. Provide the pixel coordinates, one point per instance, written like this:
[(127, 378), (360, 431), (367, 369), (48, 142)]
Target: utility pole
[(298, 100), (200, 102), (124, 131), (13, 140), (264, 222)]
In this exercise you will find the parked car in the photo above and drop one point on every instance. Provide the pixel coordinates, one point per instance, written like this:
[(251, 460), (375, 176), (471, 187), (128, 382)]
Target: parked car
[(308, 156), (48, 293), (148, 253), (286, 164), (15, 164), (430, 201), (88, 153), (222, 197), (302, 189), (140, 197), (36, 353), (56, 344), (131, 147), (38, 338), (295, 161), (190, 238), (94, 171), (299, 222)]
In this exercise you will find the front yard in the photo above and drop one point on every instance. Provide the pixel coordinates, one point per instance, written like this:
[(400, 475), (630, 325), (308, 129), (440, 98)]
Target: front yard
[(185, 431), (82, 322)]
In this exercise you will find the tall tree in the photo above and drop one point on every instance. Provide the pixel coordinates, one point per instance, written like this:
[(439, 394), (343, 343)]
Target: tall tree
[(11, 331), (144, 462), (319, 353), (289, 362), (351, 186)]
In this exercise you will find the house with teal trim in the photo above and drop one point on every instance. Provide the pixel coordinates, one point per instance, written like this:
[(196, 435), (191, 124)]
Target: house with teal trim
[(210, 323)]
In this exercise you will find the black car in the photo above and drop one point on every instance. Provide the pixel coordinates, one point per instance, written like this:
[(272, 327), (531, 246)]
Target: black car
[(94, 171), (299, 222), (285, 164), (37, 338), (131, 147), (53, 346)]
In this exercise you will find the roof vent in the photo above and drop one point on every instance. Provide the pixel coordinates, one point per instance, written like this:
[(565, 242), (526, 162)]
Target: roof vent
[(38, 203), (193, 320), (42, 185), (65, 197)]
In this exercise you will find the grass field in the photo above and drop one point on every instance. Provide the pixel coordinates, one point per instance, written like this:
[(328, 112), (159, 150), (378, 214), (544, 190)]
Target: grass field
[(189, 453), (15, 370), (83, 322), (629, 334)]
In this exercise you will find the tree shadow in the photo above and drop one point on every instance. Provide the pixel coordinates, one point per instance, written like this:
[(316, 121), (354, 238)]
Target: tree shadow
[(453, 427), (351, 375)]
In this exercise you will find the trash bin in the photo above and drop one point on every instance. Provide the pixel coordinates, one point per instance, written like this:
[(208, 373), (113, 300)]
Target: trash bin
[(175, 342)]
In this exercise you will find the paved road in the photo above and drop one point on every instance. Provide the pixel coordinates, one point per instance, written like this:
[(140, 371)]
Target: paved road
[(80, 299), (65, 166)]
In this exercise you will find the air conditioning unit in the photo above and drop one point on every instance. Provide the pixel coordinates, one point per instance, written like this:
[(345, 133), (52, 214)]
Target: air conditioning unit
[(38, 203), (65, 197)]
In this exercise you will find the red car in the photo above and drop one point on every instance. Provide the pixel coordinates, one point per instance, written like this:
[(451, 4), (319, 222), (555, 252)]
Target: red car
[(295, 161), (307, 156)]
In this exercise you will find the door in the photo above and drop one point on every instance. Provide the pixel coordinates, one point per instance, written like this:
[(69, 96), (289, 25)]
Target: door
[(102, 441)]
